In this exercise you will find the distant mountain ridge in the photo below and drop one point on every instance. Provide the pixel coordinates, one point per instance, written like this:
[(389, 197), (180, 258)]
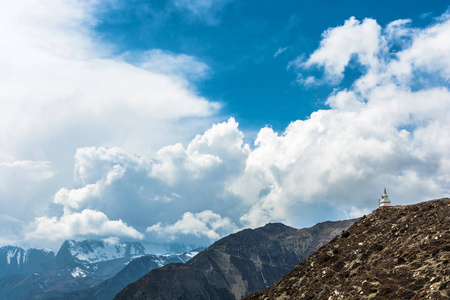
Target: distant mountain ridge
[(132, 272), (78, 265), (93, 251), (235, 265), (16, 260), (400, 252)]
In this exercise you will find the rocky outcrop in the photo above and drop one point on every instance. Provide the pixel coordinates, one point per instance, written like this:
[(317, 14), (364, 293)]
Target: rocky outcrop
[(236, 265), (400, 252)]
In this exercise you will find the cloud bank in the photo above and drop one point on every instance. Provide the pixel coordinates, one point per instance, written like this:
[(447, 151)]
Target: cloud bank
[(389, 128), (62, 88)]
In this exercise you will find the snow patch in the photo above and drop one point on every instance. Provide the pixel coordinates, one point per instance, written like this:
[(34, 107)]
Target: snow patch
[(77, 272), (93, 251), (192, 254), (10, 254)]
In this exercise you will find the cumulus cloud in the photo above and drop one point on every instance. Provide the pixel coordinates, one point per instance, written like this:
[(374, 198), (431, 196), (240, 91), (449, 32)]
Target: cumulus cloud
[(340, 44), (427, 55), (390, 128), (79, 225), (143, 191), (62, 89), (202, 224), (71, 79), (205, 153)]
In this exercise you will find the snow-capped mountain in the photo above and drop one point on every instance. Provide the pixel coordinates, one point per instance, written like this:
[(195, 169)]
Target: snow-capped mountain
[(94, 251), (35, 273), (17, 260), (132, 272)]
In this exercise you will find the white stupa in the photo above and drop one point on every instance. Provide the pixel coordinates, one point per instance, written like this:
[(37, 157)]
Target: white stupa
[(385, 202)]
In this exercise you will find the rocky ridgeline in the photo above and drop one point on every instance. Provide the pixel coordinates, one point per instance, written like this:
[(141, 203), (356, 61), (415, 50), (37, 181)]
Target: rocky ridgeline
[(401, 252), (236, 265)]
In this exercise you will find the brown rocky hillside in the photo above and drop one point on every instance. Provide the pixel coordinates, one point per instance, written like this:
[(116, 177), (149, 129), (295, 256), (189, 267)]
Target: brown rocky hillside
[(400, 252), (236, 265)]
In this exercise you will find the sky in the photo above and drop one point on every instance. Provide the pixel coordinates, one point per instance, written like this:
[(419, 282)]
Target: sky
[(179, 121)]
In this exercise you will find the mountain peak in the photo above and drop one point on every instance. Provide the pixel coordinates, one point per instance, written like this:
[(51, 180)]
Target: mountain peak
[(235, 265), (92, 251)]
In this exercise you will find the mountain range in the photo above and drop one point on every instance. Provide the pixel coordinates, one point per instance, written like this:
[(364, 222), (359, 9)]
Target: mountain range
[(235, 265), (232, 267), (399, 252), (78, 265)]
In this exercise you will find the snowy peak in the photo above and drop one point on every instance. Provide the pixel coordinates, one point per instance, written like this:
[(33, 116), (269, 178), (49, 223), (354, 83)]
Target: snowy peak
[(14, 255), (93, 251), (16, 260)]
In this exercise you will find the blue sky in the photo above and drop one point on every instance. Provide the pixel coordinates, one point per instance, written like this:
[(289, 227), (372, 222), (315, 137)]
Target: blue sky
[(184, 121), (238, 41)]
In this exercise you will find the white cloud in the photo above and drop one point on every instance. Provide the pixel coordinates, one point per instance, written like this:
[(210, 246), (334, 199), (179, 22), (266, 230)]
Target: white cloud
[(176, 163), (72, 79), (202, 224), (427, 54), (358, 213), (165, 62), (11, 231), (340, 44), (74, 198), (62, 89), (92, 163), (81, 225), (280, 51), (141, 191), (389, 129), (112, 240), (35, 170), (204, 154)]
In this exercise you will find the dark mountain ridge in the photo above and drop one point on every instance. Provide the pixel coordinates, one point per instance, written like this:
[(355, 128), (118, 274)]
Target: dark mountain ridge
[(400, 252), (236, 265)]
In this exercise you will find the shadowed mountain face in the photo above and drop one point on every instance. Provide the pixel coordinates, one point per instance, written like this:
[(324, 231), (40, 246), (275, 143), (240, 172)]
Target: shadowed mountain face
[(236, 265), (400, 252)]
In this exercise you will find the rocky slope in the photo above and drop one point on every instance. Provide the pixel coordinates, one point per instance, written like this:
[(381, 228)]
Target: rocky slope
[(236, 265), (401, 252)]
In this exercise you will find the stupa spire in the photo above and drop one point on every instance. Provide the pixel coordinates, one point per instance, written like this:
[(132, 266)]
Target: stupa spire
[(385, 202)]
